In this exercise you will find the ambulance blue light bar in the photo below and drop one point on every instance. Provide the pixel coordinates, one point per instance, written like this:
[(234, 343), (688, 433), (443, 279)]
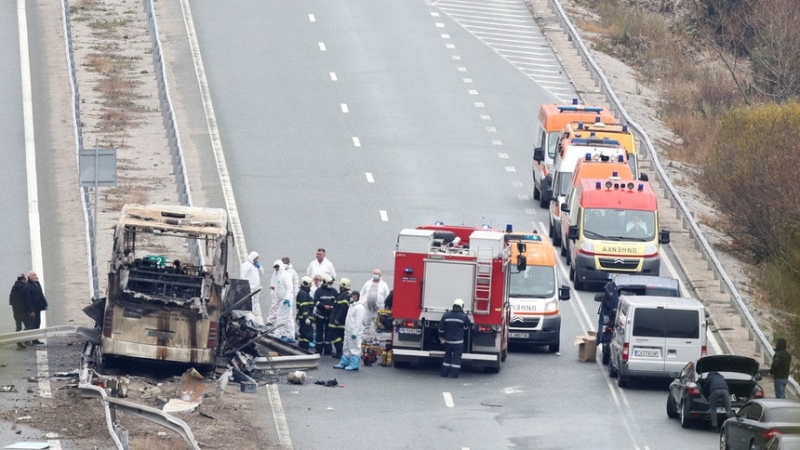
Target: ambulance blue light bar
[(604, 141), (595, 109)]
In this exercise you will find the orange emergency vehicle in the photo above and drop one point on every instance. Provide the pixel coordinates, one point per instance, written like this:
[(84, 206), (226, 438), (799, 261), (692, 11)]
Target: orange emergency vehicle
[(603, 130), (613, 228), (551, 121)]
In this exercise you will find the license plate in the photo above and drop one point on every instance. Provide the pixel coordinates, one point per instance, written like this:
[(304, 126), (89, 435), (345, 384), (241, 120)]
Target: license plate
[(519, 335), (647, 352), (409, 330), (721, 410)]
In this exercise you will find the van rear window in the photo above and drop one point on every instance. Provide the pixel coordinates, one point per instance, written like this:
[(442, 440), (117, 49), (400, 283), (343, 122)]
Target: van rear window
[(667, 323)]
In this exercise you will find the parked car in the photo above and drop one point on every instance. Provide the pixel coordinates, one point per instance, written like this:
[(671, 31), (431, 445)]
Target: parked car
[(758, 421), (688, 392), (783, 442)]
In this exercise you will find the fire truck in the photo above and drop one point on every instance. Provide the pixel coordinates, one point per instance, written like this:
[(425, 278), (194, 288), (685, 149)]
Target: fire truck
[(436, 264)]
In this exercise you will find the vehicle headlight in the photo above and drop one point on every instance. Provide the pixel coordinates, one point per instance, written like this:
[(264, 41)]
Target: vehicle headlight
[(587, 246), (551, 306), (651, 248)]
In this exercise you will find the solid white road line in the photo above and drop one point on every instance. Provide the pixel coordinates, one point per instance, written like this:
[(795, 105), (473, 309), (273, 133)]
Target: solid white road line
[(281, 425), (448, 399)]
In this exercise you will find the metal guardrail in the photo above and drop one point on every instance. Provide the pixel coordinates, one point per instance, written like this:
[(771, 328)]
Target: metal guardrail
[(762, 344)]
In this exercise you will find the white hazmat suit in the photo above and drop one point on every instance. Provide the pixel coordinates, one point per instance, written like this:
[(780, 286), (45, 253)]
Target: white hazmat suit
[(354, 328), (283, 291), (374, 294), (251, 270)]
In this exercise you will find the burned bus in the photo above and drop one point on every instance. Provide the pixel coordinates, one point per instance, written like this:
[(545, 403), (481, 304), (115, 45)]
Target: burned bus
[(167, 285)]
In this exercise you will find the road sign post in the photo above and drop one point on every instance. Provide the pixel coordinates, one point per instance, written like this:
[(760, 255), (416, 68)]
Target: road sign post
[(98, 168)]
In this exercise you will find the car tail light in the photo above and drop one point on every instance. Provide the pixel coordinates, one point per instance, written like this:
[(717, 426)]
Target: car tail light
[(408, 324), (108, 322), (759, 392), (771, 433), (625, 350), (213, 328), (703, 351), (693, 391), (483, 329)]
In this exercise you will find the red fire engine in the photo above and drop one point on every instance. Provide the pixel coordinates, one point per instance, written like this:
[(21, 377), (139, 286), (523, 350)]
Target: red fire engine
[(436, 264)]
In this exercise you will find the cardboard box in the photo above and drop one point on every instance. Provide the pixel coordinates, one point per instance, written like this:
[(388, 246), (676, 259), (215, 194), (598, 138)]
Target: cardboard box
[(587, 347), (248, 387)]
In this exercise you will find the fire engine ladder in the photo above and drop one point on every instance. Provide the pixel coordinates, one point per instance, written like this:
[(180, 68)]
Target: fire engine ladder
[(483, 282)]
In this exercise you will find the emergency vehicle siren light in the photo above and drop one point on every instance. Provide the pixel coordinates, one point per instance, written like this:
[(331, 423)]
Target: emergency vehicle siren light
[(597, 185), (588, 156), (439, 223), (574, 101), (509, 228), (486, 226), (624, 128), (620, 158), (641, 187), (615, 174), (408, 270), (580, 125)]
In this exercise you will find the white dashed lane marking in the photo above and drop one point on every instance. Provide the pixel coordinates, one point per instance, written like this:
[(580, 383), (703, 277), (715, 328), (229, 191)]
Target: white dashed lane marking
[(322, 47), (356, 141), (448, 399)]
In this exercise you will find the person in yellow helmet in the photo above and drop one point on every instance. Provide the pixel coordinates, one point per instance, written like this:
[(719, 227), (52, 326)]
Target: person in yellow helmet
[(451, 334), (338, 316)]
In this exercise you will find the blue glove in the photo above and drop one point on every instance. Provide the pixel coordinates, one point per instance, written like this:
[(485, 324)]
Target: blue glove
[(257, 264), (352, 336), (287, 302)]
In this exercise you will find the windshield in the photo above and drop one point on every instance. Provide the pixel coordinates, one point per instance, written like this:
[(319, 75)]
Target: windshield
[(563, 183), (534, 281), (552, 143), (619, 224)]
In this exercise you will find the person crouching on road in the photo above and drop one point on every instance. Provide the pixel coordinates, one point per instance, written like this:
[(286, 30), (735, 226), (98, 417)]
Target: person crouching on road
[(21, 306), (451, 334), (305, 313), (354, 327), (324, 297), (338, 316), (283, 290)]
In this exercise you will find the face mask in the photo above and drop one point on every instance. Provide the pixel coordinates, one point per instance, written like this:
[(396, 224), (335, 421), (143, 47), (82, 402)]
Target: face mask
[(376, 277)]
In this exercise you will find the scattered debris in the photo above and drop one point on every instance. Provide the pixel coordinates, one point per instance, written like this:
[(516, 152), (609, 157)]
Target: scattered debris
[(330, 383), (8, 388), (28, 445), (177, 405), (296, 377)]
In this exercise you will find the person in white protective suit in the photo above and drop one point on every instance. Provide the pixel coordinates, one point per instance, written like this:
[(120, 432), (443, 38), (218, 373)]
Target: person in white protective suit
[(282, 292), (374, 293), (354, 327), (251, 270)]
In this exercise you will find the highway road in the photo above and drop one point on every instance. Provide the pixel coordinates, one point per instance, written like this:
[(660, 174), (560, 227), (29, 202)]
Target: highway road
[(346, 122)]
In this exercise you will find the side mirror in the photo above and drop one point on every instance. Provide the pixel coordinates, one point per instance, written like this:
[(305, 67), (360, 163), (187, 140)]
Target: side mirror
[(522, 263), (643, 177), (521, 247), (538, 154), (563, 292), (663, 237), (598, 297), (572, 234), (565, 207)]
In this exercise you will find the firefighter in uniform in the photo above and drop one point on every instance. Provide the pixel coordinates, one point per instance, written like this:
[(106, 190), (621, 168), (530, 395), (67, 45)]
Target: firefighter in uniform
[(305, 313), (451, 334), (324, 297), (338, 317)]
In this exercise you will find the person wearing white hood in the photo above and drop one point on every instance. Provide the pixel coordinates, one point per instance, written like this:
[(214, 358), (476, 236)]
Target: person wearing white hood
[(283, 290), (374, 292), (251, 271), (354, 328)]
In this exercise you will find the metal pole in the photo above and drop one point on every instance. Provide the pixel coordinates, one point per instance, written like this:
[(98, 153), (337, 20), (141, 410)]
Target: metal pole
[(94, 220)]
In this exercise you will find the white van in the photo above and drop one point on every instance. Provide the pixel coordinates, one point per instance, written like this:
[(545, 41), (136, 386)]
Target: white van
[(656, 336)]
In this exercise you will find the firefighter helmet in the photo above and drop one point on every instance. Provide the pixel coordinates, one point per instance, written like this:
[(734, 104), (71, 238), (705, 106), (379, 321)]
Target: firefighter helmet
[(306, 281), (344, 282), (327, 279), (458, 302)]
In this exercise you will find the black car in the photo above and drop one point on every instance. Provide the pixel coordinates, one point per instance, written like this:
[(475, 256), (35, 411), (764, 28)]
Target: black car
[(688, 392), (759, 421)]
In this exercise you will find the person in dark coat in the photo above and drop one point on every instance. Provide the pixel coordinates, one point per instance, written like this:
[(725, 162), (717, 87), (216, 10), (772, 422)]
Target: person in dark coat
[(338, 317), (718, 390), (451, 334), (780, 368), (324, 297), (38, 302), (305, 313), (20, 302)]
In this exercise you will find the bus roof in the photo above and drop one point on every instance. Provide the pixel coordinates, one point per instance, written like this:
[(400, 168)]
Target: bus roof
[(596, 195), (178, 219)]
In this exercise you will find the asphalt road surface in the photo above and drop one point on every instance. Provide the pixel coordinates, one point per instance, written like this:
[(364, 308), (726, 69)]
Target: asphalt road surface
[(346, 122)]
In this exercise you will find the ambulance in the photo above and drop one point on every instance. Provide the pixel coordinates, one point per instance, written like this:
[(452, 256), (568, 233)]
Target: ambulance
[(551, 121), (615, 131), (571, 151), (612, 227), (534, 292)]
